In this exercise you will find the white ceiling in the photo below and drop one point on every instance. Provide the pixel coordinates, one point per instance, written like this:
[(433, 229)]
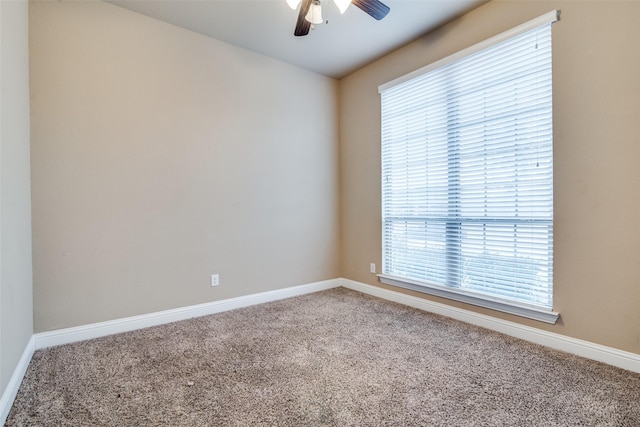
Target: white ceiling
[(336, 49)]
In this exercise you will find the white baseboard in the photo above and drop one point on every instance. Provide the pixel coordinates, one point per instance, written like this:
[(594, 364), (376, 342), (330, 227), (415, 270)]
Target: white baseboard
[(101, 329), (9, 394), (589, 350)]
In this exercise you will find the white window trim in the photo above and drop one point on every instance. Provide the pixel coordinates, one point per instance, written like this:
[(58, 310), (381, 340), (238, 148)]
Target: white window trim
[(522, 310), (547, 18), (505, 306)]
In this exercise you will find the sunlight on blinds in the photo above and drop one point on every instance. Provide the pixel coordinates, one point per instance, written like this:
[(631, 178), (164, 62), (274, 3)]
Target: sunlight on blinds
[(467, 173)]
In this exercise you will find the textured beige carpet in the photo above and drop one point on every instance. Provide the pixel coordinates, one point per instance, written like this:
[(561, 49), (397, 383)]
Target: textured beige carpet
[(334, 358)]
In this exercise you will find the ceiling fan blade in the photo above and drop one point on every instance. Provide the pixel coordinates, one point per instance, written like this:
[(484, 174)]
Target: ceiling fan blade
[(375, 8), (302, 26)]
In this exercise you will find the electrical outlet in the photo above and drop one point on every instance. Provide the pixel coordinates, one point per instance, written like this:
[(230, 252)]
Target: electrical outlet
[(215, 280), (372, 268)]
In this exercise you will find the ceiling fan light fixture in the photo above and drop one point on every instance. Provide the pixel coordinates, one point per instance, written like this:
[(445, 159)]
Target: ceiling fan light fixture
[(310, 12), (342, 5), (293, 4), (315, 13)]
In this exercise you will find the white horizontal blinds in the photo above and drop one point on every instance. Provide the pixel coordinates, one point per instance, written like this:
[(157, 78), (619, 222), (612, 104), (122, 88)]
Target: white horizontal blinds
[(467, 171)]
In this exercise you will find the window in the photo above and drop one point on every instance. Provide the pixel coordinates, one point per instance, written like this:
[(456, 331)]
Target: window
[(467, 175)]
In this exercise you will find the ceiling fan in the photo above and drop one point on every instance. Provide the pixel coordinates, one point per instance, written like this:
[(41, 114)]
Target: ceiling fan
[(310, 11)]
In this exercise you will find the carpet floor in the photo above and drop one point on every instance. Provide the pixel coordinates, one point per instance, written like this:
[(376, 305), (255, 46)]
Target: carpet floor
[(332, 358)]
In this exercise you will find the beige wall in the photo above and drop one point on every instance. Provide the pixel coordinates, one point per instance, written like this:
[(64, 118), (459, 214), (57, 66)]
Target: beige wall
[(160, 157), (16, 298), (596, 72)]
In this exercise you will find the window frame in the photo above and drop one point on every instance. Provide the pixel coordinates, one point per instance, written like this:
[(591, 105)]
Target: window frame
[(531, 311)]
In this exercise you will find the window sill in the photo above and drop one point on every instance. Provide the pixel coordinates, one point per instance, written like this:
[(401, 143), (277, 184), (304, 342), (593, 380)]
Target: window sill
[(522, 310)]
